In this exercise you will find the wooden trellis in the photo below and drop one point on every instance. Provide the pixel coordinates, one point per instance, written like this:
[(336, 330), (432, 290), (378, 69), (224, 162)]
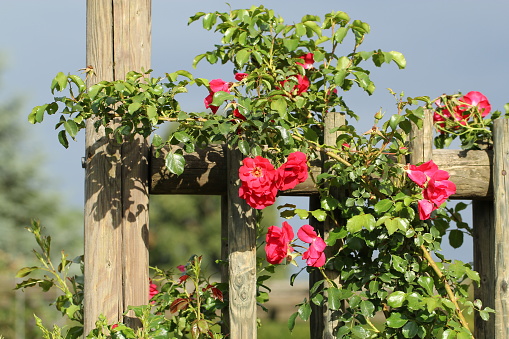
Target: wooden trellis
[(118, 182)]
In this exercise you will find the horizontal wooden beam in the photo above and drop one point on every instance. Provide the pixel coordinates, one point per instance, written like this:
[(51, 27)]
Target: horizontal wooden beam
[(205, 173)]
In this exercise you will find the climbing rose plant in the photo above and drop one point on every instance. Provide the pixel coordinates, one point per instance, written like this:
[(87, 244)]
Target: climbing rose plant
[(385, 218)]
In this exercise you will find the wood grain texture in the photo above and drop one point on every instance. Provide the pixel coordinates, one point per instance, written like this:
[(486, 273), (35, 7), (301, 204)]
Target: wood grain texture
[(484, 260), (116, 185), (501, 237), (205, 173), (324, 321), (241, 257)]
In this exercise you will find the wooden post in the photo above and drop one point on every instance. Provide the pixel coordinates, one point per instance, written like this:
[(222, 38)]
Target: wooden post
[(324, 321), (501, 227), (484, 258), (241, 257), (116, 179), (421, 140)]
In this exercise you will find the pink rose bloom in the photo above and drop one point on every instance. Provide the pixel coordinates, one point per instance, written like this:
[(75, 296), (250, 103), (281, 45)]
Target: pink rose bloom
[(152, 290), (420, 174), (301, 86), (240, 76), (314, 256), (238, 115), (208, 100), (258, 173), (438, 191), (258, 178), (258, 199), (181, 268), (425, 208), (309, 60), (477, 99), (293, 171), (277, 243), (217, 85)]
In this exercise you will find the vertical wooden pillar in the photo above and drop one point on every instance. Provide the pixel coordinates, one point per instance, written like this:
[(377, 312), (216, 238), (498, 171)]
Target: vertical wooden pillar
[(421, 140), (484, 259), (324, 321), (501, 227), (116, 179), (241, 256)]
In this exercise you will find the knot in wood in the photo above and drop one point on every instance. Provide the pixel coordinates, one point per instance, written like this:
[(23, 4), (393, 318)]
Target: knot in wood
[(503, 286)]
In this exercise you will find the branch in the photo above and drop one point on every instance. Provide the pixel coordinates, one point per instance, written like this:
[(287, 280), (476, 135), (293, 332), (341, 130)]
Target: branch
[(448, 288)]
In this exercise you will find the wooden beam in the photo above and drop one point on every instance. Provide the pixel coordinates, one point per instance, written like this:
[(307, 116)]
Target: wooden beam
[(205, 173), (116, 186)]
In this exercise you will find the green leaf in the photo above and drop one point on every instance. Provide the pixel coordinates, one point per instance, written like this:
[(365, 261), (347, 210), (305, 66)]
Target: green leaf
[(426, 283), (291, 44), (319, 215), (355, 223), (71, 128), (314, 27), (209, 20), (410, 329), (134, 107), (329, 203), (175, 163), (360, 332), (242, 57), (340, 34), (455, 238), (396, 320), (392, 225), (396, 299), (152, 114), (334, 298), (197, 59), (399, 59), (181, 136), (26, 271), (303, 214), (383, 205), (367, 308), (94, 90), (59, 82), (304, 311), (62, 138), (220, 97), (291, 321), (243, 146), (280, 106)]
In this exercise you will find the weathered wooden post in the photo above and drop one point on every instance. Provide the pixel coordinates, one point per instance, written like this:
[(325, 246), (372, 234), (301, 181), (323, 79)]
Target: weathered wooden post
[(324, 320), (241, 224), (116, 179), (501, 226)]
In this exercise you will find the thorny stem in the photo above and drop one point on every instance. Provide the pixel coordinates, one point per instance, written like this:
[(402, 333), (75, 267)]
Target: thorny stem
[(448, 288)]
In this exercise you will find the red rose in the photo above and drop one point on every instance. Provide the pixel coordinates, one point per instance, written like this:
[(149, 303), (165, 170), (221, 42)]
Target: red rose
[(293, 171), (277, 243), (314, 256), (420, 174), (438, 189), (309, 60), (475, 99), (240, 76), (258, 178), (301, 86), (260, 198), (425, 208)]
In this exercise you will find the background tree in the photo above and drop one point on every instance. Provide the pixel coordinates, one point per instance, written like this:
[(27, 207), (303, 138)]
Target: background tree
[(25, 194)]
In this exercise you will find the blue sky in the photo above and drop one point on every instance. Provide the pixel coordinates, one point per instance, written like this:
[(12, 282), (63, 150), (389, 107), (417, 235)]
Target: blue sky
[(451, 45)]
